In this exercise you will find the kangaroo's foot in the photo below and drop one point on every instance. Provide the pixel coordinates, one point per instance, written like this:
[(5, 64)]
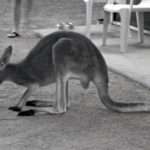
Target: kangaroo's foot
[(39, 103), (15, 108), (29, 112), (39, 110)]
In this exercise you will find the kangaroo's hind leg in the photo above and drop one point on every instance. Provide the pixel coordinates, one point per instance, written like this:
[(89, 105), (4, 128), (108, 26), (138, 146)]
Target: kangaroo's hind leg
[(67, 94), (61, 103), (61, 94), (41, 103)]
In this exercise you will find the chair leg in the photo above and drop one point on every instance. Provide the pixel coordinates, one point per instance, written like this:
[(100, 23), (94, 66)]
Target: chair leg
[(89, 6), (140, 25), (124, 29), (105, 27)]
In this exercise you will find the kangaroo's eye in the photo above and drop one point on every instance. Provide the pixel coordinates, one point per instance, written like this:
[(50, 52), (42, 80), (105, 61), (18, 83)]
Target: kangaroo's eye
[(2, 63)]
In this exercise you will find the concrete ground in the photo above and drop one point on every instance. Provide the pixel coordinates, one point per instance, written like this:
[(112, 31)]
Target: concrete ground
[(87, 125)]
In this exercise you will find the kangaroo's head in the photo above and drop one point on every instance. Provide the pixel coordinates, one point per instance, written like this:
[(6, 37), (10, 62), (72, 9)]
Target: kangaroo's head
[(4, 60)]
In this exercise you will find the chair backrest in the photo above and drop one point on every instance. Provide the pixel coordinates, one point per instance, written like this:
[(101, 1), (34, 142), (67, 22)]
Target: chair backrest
[(123, 2), (100, 1), (116, 1), (96, 1), (145, 2)]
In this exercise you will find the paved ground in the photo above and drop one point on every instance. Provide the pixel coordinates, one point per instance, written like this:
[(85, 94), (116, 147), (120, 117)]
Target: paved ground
[(87, 125)]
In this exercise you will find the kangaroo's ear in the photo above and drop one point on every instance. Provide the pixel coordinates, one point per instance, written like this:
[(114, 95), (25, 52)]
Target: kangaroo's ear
[(4, 60)]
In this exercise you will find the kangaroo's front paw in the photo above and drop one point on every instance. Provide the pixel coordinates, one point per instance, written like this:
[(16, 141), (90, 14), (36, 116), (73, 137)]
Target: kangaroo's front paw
[(15, 108), (29, 112)]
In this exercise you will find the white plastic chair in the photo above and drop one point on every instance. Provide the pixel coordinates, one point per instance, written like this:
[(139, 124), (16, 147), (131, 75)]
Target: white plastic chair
[(125, 11), (89, 9)]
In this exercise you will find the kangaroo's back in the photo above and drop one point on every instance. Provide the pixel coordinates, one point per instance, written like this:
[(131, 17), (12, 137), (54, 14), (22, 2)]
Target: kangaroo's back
[(39, 64)]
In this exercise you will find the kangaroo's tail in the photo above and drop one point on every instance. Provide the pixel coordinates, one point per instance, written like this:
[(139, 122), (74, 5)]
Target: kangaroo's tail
[(117, 106), (124, 107)]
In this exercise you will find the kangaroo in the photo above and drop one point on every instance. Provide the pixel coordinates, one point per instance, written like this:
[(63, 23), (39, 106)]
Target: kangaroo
[(56, 58)]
